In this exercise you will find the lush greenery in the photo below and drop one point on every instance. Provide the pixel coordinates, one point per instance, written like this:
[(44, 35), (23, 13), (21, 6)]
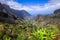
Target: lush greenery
[(29, 31)]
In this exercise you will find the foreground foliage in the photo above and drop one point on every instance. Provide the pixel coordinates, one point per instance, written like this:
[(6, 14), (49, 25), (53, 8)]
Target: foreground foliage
[(29, 31), (43, 34)]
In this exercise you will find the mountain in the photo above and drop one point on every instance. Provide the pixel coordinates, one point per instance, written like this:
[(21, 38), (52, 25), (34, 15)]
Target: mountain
[(56, 14), (20, 13), (57, 11), (52, 18), (7, 16)]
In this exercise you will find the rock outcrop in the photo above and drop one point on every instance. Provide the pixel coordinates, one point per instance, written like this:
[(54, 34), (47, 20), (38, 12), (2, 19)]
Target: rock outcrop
[(6, 16)]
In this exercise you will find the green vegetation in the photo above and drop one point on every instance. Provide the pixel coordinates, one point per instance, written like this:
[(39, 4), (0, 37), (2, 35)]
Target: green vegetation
[(29, 31), (43, 34)]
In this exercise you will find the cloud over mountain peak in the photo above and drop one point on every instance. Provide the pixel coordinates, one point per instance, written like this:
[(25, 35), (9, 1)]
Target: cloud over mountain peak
[(46, 8)]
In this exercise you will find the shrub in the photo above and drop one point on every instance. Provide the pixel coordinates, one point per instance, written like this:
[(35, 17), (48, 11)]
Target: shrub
[(42, 34)]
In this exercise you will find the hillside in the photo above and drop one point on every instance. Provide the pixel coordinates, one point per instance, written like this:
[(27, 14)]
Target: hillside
[(20, 13), (56, 14), (14, 27), (52, 18)]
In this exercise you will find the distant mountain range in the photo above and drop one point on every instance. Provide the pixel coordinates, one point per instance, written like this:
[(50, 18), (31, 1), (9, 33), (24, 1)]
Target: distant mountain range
[(20, 13), (56, 14), (12, 16), (51, 18)]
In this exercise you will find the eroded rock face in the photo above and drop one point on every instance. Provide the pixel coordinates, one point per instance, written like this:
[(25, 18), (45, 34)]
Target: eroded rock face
[(6, 16), (22, 14)]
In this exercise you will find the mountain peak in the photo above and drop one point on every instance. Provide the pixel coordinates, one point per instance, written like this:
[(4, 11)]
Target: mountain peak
[(57, 11), (10, 15)]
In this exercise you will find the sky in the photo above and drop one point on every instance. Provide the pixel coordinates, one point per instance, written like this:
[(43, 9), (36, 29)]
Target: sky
[(34, 7), (32, 2)]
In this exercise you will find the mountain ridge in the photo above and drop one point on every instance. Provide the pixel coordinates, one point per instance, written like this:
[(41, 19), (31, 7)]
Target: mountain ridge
[(20, 13)]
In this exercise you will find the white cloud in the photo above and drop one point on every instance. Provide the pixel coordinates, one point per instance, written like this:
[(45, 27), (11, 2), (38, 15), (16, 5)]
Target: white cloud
[(18, 6), (54, 1), (47, 8), (55, 4), (5, 1), (14, 5)]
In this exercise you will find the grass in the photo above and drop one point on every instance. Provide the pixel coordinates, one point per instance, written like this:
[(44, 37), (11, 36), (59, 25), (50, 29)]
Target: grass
[(29, 31)]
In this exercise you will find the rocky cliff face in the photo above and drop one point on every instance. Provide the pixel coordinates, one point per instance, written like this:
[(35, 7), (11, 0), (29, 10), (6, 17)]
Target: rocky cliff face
[(10, 15), (20, 13), (6, 15)]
